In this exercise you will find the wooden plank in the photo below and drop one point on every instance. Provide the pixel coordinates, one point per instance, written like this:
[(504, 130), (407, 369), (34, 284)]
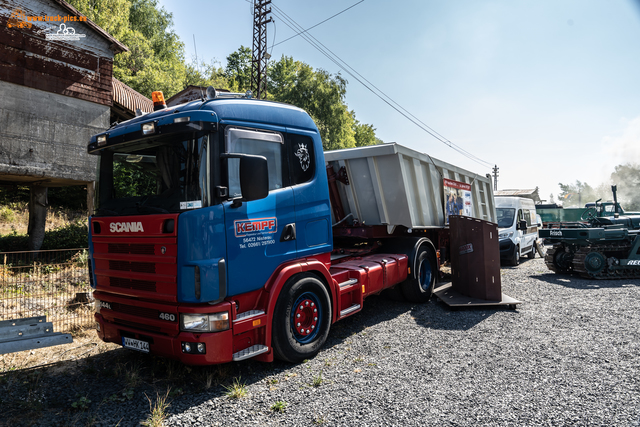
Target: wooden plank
[(38, 80), (455, 299)]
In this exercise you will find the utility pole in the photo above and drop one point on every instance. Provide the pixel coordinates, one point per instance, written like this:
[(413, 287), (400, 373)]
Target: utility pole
[(259, 56), (495, 178)]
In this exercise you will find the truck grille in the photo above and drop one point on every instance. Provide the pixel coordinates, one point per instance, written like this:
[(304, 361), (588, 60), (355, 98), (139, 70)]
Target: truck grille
[(140, 267), (137, 267), (149, 313), (139, 285), (136, 249)]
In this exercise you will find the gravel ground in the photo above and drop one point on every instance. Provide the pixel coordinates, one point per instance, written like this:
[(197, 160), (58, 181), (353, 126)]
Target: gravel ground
[(569, 355)]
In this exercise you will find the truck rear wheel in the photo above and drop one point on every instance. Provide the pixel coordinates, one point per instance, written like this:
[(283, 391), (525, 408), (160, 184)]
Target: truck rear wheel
[(419, 289), (532, 254), (301, 319)]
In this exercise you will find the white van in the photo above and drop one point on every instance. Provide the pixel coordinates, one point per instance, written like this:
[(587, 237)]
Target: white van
[(517, 228)]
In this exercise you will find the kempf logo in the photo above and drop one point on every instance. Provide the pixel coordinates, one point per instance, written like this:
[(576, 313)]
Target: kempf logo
[(65, 33), (249, 226)]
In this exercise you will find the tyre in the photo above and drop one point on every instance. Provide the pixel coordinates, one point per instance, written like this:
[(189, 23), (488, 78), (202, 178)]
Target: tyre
[(301, 319), (532, 254), (419, 289), (515, 258)]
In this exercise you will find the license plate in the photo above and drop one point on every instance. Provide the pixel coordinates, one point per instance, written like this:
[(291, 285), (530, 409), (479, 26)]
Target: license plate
[(138, 345)]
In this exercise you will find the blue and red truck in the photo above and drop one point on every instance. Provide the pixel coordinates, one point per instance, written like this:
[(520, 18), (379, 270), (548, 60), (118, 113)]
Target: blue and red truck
[(222, 232)]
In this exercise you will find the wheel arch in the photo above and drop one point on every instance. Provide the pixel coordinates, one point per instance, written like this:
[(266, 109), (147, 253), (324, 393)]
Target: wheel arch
[(411, 246), (291, 270)]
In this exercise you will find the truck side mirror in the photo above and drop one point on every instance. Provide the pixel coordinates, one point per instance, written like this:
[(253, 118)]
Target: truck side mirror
[(522, 225), (254, 178)]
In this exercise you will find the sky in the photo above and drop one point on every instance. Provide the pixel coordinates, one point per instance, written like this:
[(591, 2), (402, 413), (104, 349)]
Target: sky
[(549, 91)]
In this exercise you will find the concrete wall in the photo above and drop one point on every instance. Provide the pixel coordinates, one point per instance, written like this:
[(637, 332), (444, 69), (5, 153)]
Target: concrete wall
[(44, 136)]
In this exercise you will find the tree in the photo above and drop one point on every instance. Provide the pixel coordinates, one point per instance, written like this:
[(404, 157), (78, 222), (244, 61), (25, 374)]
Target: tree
[(238, 70), (155, 60), (576, 195), (580, 193), (322, 96), (204, 74), (627, 179), (364, 134)]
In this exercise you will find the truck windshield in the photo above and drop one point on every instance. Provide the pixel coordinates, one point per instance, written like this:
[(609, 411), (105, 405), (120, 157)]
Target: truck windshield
[(161, 175), (505, 217)]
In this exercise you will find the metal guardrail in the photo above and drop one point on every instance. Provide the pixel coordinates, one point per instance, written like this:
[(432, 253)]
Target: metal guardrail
[(52, 283), (29, 334)]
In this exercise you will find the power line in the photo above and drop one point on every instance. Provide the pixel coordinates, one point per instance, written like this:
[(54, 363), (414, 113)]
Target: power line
[(291, 23), (296, 35)]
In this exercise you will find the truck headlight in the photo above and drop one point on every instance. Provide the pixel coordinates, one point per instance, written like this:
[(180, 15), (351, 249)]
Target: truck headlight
[(215, 322), (505, 235), (96, 303)]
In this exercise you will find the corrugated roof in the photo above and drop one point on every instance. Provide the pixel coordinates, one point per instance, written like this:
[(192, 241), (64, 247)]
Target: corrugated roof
[(129, 99), (515, 192), (530, 193)]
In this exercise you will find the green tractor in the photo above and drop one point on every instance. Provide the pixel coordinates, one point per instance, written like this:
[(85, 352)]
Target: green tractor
[(599, 247)]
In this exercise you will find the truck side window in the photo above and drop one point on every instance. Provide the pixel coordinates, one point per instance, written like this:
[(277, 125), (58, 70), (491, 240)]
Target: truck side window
[(301, 158), (248, 141), (527, 216)]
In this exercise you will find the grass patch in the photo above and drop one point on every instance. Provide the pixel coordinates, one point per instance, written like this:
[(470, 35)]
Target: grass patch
[(236, 390), (279, 406), (317, 380), (158, 410)]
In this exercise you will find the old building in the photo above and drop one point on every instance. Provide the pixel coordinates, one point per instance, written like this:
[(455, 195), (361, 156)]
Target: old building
[(527, 193), (56, 91)]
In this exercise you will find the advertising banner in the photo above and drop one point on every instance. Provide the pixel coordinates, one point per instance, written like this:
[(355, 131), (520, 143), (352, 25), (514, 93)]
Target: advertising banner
[(457, 199)]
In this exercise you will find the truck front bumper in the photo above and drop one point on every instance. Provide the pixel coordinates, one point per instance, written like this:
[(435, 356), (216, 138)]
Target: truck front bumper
[(218, 345)]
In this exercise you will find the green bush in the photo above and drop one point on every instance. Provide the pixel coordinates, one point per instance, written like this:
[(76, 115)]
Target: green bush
[(70, 236), (7, 214), (13, 242), (73, 235)]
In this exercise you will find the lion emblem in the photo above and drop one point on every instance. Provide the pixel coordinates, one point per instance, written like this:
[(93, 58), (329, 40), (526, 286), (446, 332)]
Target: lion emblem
[(303, 155)]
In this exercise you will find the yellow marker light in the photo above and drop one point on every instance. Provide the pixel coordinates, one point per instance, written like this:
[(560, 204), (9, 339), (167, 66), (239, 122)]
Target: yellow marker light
[(363, 289), (158, 100), (256, 323)]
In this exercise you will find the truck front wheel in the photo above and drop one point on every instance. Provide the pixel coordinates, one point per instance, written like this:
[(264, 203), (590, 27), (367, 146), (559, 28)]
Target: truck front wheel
[(419, 289), (301, 320)]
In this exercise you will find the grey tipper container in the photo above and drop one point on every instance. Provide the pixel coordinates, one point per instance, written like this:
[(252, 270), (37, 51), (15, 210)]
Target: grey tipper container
[(394, 185)]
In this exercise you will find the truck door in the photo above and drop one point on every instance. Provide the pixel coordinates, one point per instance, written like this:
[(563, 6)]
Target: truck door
[(256, 231), (310, 189)]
